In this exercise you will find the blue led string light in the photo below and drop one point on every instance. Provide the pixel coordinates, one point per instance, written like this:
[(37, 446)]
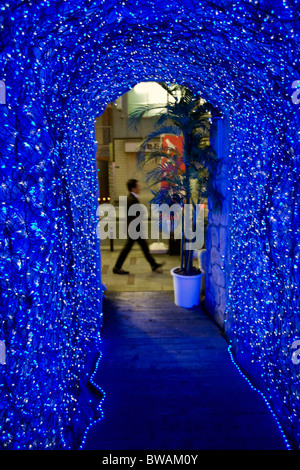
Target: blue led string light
[(93, 421), (286, 441), (62, 62)]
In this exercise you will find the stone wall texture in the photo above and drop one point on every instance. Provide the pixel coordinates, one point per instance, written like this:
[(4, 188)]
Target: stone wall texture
[(218, 231)]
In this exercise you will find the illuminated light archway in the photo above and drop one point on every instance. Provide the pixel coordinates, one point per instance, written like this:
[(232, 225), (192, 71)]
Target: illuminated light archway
[(61, 65)]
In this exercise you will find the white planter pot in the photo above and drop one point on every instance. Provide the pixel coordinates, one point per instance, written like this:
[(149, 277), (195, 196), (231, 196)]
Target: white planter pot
[(186, 289)]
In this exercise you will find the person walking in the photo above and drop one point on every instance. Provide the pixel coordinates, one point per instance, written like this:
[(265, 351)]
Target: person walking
[(134, 189)]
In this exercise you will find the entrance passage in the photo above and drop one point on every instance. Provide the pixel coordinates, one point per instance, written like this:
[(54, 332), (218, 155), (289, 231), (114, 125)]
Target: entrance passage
[(170, 383)]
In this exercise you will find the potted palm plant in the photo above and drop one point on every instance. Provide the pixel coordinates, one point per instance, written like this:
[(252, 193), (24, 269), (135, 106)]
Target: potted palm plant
[(181, 175)]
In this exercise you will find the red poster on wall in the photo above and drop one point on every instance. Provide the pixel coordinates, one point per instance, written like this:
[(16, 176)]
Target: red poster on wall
[(174, 142)]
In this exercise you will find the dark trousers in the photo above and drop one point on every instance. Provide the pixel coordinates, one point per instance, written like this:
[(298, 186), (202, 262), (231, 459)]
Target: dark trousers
[(125, 251)]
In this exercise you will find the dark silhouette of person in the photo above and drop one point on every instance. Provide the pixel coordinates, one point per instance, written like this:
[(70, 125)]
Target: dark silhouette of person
[(134, 189)]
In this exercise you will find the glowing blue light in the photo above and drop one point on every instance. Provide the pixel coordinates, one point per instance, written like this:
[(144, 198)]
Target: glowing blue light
[(62, 64)]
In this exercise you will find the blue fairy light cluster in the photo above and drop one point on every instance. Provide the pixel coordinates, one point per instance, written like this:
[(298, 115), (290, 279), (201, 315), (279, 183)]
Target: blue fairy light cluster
[(62, 62)]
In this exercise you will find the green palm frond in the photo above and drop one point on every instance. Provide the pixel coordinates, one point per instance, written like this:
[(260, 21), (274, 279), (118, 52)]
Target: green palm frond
[(154, 155), (176, 177), (166, 196), (142, 154), (157, 176), (135, 117)]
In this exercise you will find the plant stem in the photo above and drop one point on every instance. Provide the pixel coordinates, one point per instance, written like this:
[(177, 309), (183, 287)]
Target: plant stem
[(182, 239)]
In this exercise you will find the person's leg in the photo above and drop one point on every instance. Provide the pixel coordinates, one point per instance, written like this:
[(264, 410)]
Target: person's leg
[(144, 246), (124, 253)]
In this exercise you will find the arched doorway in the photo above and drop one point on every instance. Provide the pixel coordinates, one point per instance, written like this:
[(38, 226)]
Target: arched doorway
[(117, 143)]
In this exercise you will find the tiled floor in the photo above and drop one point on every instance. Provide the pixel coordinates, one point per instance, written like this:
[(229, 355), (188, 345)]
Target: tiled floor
[(141, 277)]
